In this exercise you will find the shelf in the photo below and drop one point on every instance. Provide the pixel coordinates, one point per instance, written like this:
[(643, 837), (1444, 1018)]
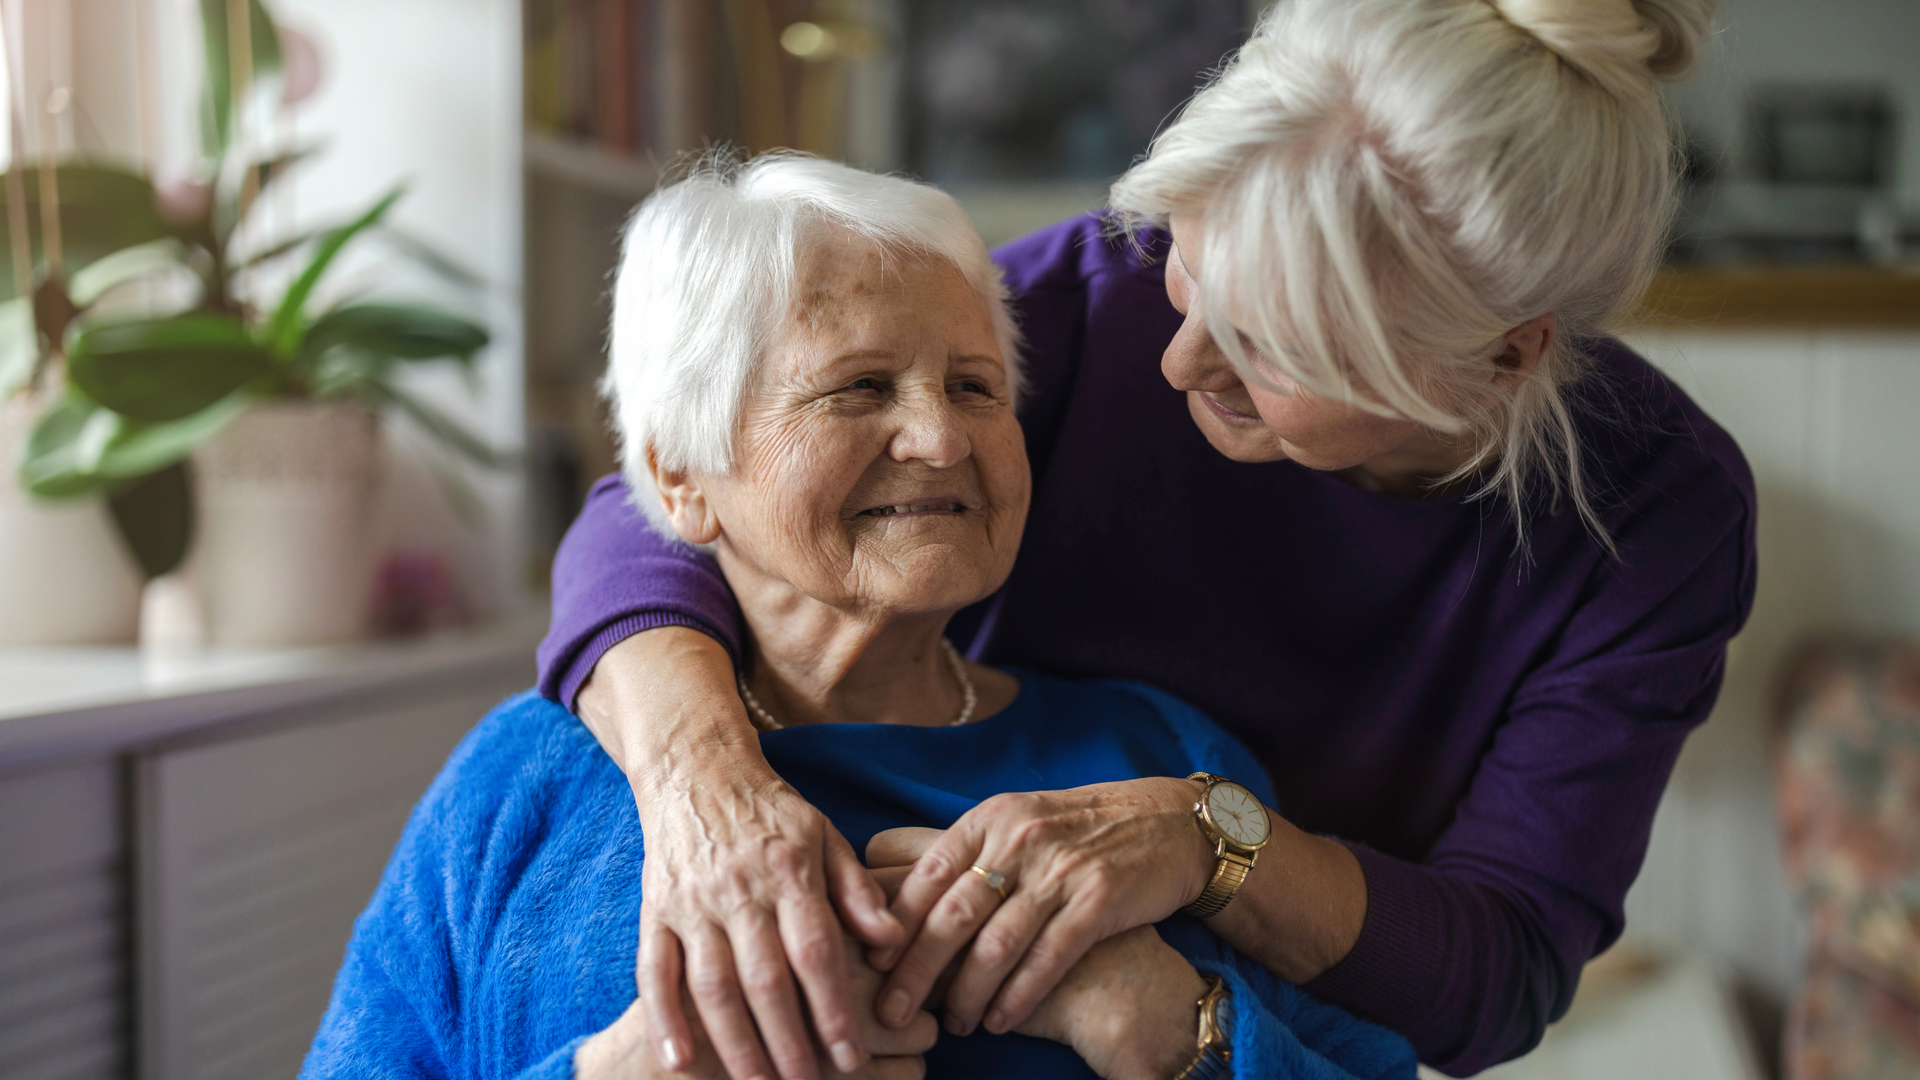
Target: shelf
[(1782, 296), (583, 163)]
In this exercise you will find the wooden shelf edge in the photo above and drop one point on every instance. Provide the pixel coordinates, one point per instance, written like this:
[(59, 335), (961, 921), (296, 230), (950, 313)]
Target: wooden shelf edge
[(1782, 296), (586, 164)]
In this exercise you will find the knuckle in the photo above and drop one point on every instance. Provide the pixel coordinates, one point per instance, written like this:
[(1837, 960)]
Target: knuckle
[(936, 864), (762, 980), (994, 945), (958, 909), (815, 953), (709, 983), (1044, 955)]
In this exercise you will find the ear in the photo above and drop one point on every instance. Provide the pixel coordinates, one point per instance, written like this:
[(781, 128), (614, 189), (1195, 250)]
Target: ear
[(1521, 350), (685, 503)]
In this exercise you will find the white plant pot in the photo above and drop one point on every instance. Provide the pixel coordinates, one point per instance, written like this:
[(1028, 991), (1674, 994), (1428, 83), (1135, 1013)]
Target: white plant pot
[(66, 578), (281, 549)]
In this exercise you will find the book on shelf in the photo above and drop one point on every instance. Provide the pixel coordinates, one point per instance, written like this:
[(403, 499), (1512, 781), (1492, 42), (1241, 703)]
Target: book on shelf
[(586, 70)]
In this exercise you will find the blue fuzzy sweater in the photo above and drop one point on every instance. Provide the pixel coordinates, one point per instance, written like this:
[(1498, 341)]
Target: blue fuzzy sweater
[(503, 932)]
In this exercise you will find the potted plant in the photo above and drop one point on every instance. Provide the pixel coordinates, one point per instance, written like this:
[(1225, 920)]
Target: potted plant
[(241, 424)]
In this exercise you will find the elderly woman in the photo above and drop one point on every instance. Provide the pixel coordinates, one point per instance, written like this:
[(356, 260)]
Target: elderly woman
[(1333, 444), (836, 428)]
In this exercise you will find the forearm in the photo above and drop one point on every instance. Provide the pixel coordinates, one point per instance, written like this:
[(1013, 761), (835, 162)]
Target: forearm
[(1301, 908), (664, 707), (1470, 972)]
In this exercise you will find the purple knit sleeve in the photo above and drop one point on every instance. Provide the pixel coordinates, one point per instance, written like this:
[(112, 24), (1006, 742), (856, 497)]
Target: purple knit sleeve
[(1473, 951), (615, 576)]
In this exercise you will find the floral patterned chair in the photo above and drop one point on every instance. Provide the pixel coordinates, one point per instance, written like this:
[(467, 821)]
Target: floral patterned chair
[(1847, 772)]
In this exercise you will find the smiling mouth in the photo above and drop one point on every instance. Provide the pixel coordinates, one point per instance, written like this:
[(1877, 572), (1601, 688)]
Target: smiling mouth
[(915, 508), (1223, 411)]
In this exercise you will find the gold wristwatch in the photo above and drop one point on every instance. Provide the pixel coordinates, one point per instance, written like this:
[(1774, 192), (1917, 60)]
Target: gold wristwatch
[(1236, 824), (1213, 1054)]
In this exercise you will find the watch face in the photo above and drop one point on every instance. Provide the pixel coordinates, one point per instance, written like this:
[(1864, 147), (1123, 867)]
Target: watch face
[(1238, 814)]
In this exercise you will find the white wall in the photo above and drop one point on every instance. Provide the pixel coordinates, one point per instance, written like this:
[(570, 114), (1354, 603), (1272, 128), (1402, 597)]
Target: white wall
[(428, 91), (1830, 422), (1794, 41)]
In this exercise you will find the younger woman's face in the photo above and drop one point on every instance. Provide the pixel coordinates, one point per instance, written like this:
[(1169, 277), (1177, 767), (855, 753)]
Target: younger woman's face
[(1248, 422)]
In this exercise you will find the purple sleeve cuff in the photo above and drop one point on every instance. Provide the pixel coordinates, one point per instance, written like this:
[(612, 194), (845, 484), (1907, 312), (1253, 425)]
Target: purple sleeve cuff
[(1466, 970), (615, 576), (575, 672), (1388, 974)]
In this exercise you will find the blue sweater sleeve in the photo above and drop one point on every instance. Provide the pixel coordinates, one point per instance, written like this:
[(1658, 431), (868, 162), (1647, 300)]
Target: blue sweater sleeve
[(411, 999), (1279, 1031)]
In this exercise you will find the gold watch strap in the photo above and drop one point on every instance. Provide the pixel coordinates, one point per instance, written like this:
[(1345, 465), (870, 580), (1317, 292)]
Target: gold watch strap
[(1213, 1056), (1229, 873)]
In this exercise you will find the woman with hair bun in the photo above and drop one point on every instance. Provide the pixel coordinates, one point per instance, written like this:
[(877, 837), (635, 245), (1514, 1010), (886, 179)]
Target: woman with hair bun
[(1329, 438)]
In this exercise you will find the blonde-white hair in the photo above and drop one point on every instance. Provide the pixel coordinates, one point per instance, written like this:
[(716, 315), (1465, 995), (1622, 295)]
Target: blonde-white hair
[(707, 274), (1384, 188)]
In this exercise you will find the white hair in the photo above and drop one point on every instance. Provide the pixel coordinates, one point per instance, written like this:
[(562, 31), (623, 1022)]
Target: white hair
[(1384, 188), (707, 276)]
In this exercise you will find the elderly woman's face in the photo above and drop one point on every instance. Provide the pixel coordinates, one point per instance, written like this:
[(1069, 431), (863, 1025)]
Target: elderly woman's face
[(879, 463)]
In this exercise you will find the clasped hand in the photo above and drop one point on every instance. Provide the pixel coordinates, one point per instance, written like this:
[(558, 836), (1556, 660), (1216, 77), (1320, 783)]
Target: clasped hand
[(1080, 866), (742, 894)]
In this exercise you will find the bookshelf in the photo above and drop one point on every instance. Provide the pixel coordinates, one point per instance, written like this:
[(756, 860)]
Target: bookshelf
[(612, 89)]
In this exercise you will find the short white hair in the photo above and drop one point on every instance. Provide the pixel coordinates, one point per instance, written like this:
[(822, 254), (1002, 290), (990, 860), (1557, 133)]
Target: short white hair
[(707, 277), (1386, 187)]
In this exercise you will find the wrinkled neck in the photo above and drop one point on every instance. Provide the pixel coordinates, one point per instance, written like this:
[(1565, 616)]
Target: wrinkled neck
[(811, 663)]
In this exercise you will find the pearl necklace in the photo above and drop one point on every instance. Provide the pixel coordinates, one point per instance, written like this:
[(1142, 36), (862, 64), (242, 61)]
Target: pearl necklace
[(969, 698)]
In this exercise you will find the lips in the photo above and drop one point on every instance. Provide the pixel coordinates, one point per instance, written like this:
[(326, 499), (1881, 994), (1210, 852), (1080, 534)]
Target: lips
[(915, 508), (1222, 411)]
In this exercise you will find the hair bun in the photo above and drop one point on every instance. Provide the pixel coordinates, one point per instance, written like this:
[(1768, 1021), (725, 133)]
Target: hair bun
[(1622, 44)]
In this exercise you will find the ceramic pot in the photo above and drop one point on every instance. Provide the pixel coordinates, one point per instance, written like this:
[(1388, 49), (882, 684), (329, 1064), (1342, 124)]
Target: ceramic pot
[(285, 500), (66, 577)]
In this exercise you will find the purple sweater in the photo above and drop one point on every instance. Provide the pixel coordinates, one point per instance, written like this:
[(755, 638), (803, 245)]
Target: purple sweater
[(1490, 732)]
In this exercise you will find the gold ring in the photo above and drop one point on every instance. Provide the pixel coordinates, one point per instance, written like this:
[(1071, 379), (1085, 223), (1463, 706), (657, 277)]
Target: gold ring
[(994, 879)]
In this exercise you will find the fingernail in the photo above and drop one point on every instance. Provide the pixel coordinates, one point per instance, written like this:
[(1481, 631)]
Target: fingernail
[(997, 1022), (955, 1027), (671, 1054), (845, 1057), (898, 1006)]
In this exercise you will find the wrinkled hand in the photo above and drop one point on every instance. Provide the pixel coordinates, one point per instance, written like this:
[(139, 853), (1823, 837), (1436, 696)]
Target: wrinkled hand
[(620, 1051), (1081, 866), (742, 881), (1129, 1007)]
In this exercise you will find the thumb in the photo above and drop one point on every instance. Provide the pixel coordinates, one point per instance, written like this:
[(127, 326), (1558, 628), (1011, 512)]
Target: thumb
[(861, 903), (901, 847)]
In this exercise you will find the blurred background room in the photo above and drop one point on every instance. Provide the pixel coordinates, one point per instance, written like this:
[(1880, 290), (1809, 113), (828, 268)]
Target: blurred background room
[(302, 312)]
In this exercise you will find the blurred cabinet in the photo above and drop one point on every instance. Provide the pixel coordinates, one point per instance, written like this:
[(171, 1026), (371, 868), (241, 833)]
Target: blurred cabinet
[(180, 872)]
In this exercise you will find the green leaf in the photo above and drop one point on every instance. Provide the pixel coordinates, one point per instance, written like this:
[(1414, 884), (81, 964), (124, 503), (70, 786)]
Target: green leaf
[(155, 516), (19, 346), (396, 331), (432, 258), (130, 264), (139, 447), (103, 209), (262, 175), (441, 426), (283, 248), (221, 94), (283, 334), (164, 369), (63, 448)]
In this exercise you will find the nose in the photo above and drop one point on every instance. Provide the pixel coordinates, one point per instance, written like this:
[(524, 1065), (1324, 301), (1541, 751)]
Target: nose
[(930, 432), (1193, 360)]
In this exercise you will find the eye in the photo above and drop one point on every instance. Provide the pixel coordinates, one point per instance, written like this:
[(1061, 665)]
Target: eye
[(867, 382), (970, 386)]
